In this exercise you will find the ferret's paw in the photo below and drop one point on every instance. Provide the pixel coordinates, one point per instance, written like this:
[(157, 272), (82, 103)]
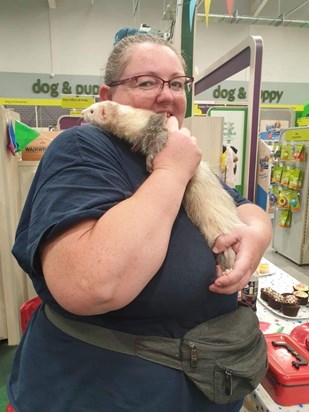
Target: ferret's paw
[(226, 272), (226, 260)]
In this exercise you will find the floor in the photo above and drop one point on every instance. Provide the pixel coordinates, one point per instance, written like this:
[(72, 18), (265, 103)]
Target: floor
[(301, 273)]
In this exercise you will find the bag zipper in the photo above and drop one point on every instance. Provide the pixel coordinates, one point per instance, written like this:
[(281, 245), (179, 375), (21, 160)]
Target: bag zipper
[(228, 382)]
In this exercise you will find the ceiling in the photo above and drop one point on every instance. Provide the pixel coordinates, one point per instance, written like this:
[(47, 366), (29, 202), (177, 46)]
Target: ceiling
[(279, 13)]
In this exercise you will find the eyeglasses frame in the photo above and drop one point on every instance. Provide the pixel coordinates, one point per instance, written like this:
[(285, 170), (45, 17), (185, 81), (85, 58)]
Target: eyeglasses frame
[(123, 81)]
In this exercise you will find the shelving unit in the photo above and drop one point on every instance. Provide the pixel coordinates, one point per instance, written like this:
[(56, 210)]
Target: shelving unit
[(293, 241), (15, 179)]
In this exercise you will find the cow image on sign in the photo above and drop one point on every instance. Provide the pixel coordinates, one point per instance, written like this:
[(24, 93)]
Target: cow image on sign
[(207, 204)]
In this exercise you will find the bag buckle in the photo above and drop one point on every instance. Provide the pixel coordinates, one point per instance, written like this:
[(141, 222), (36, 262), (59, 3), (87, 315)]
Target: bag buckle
[(193, 355)]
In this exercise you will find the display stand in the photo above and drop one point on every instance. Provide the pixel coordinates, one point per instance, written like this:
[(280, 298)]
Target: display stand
[(291, 220), (247, 54), (265, 164), (15, 179), (13, 288), (272, 121)]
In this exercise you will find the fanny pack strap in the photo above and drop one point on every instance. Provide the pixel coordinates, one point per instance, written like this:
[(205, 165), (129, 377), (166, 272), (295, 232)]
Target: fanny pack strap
[(225, 367), (161, 350)]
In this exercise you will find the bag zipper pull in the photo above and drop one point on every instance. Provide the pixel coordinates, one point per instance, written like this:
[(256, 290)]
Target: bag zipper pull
[(193, 355), (228, 382)]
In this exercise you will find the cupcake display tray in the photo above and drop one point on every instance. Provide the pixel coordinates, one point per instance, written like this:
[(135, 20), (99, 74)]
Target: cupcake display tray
[(281, 282), (303, 312)]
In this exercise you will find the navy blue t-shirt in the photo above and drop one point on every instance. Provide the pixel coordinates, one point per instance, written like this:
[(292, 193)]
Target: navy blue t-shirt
[(83, 173)]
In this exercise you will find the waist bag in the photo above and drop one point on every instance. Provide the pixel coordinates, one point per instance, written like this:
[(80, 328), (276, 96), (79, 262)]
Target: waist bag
[(225, 357)]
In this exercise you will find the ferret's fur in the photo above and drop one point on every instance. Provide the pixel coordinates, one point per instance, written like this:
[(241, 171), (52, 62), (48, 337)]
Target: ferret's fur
[(207, 204)]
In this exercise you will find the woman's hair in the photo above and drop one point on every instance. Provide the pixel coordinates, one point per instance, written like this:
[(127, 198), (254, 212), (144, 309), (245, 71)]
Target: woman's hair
[(122, 52)]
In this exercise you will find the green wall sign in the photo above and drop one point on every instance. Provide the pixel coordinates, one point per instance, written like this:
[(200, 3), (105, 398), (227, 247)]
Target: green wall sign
[(267, 96), (57, 89)]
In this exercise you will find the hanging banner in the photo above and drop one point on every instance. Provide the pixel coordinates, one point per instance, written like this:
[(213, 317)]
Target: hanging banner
[(29, 102), (76, 102)]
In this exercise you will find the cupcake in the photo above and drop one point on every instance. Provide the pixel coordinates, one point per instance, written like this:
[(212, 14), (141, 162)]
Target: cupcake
[(290, 310), (301, 286), (290, 305), (302, 297), (285, 294), (290, 299), (275, 300), (265, 292)]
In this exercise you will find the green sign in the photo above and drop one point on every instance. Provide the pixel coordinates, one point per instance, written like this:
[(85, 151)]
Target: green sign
[(296, 135), (267, 96), (57, 89)]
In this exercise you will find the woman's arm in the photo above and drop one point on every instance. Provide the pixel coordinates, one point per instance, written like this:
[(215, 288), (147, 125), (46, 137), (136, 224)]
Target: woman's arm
[(249, 244), (99, 266)]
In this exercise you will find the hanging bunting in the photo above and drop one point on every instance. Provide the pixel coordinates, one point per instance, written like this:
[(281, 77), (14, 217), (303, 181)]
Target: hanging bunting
[(12, 141), (187, 41), (24, 135), (229, 5), (191, 14), (207, 7)]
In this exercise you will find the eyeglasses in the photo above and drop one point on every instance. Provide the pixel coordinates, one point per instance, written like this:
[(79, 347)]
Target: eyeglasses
[(155, 83)]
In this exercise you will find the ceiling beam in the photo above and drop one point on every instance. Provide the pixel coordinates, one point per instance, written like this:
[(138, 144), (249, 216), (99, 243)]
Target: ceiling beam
[(296, 8), (257, 7)]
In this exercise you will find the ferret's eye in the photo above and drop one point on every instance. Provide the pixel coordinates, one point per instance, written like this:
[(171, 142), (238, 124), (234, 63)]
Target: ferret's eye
[(91, 111)]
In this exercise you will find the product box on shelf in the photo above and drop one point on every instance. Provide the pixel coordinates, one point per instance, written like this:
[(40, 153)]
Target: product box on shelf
[(287, 378), (36, 149)]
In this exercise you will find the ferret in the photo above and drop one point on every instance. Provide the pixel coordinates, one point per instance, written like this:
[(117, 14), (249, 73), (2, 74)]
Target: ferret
[(207, 204)]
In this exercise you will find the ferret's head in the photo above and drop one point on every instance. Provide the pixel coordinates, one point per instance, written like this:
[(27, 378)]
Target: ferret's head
[(96, 114), (92, 113)]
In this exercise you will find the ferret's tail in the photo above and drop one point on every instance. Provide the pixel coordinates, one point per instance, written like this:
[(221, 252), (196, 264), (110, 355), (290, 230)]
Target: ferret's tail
[(208, 204)]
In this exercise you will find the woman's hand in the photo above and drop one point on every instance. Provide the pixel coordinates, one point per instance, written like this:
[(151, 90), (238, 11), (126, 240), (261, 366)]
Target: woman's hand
[(181, 155), (249, 244)]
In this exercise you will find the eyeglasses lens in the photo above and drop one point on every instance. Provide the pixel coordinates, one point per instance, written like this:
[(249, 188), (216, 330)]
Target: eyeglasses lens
[(178, 84)]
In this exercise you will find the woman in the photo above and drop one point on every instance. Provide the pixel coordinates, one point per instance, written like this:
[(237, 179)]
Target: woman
[(106, 243)]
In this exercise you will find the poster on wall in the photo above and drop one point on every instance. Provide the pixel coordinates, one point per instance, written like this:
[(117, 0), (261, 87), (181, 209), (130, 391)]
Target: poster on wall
[(273, 121), (234, 136), (271, 129)]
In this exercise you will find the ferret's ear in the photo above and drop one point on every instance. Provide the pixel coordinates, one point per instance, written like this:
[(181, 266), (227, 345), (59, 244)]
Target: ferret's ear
[(102, 112), (105, 92)]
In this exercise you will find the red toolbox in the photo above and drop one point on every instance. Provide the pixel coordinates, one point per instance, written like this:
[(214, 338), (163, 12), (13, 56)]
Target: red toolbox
[(287, 378)]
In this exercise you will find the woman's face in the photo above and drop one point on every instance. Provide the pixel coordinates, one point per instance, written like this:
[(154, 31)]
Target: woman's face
[(150, 59)]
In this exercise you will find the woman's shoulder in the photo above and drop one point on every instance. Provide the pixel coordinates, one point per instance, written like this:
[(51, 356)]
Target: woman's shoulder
[(92, 135), (80, 144)]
